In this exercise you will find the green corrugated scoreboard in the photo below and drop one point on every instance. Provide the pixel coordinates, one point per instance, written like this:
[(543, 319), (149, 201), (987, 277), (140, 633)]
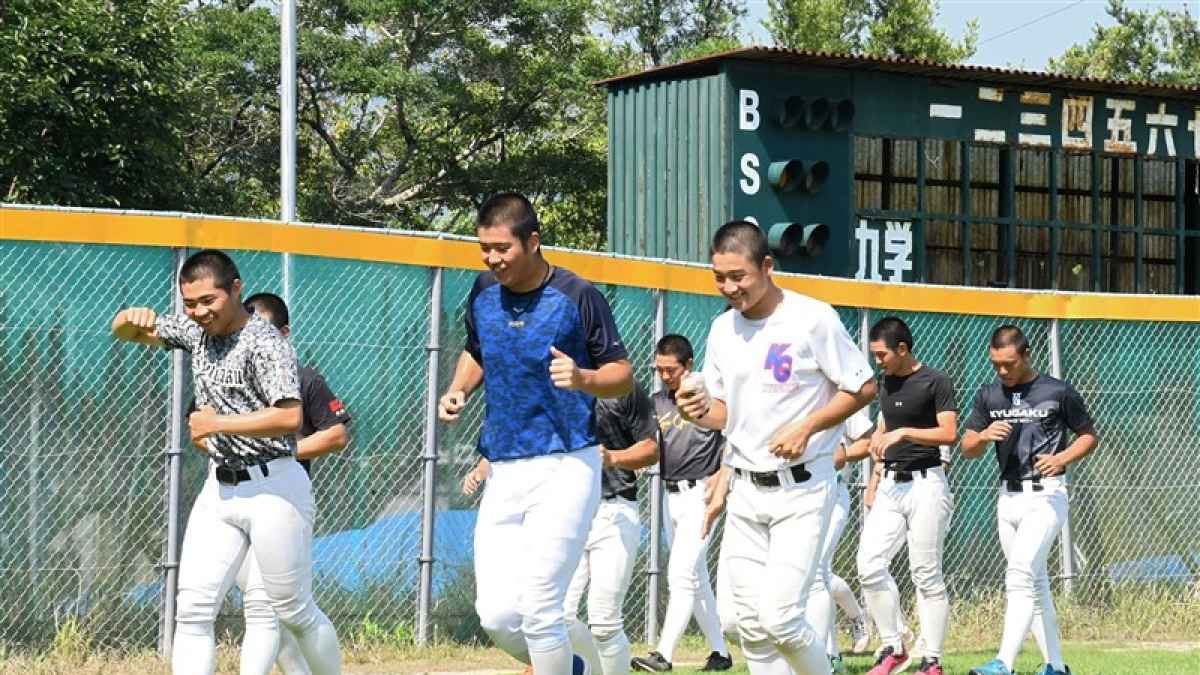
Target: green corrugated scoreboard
[(901, 171)]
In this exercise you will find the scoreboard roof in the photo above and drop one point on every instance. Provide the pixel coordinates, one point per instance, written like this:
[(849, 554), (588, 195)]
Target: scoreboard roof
[(710, 65)]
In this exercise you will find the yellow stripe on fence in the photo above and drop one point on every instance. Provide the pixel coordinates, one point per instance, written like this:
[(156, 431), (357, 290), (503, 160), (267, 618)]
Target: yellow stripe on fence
[(134, 229)]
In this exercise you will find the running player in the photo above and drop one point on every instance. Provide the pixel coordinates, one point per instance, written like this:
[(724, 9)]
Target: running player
[(257, 499), (323, 431), (913, 500), (781, 374), (544, 343), (690, 456), (1029, 416), (629, 441)]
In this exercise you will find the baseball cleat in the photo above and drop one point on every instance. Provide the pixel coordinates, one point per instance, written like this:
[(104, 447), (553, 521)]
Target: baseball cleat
[(930, 667), (861, 632), (890, 663), (716, 662), (579, 666), (993, 667), (651, 663), (1049, 670), (837, 665)]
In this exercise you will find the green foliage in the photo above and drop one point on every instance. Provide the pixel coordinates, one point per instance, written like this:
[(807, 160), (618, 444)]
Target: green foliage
[(1155, 44), (93, 103), (903, 28), (665, 31)]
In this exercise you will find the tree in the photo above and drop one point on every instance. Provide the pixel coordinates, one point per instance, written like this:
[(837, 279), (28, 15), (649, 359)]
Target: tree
[(1161, 45), (665, 31), (412, 112), (903, 28), (93, 103)]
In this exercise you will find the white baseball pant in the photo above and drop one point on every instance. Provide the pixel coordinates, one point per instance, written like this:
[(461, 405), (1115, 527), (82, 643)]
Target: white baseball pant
[(533, 523), (919, 511), (604, 572), (262, 627), (271, 517), (822, 603), (691, 591), (1029, 522), (773, 543)]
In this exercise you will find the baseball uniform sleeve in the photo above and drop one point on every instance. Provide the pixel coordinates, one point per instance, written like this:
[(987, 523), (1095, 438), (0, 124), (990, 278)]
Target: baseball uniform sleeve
[(837, 356), (943, 394), (603, 341), (858, 425), (713, 380), (177, 331), (322, 408), (472, 346), (644, 424), (275, 373), (978, 421), (1075, 412)]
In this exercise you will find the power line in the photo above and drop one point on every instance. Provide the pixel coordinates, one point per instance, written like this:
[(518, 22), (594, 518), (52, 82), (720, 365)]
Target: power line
[(1027, 24)]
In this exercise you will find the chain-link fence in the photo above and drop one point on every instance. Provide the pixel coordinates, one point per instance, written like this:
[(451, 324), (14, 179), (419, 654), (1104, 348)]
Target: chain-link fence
[(86, 430)]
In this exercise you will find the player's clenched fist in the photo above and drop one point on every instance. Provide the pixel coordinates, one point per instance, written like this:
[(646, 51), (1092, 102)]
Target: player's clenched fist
[(564, 372), (996, 431), (791, 441), (134, 323), (203, 424), (692, 398), (450, 405)]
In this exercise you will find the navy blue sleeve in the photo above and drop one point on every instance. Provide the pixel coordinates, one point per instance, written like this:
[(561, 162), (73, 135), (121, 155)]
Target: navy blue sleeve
[(472, 346), (978, 421), (1075, 412), (603, 341)]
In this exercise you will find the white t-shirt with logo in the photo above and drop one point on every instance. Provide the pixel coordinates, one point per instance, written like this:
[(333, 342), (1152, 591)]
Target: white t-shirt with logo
[(778, 370)]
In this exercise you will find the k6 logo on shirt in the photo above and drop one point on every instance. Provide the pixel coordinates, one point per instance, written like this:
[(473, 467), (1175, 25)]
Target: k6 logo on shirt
[(778, 362)]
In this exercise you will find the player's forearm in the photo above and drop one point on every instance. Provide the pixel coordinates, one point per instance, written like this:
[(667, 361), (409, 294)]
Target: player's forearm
[(611, 380), (973, 444), (716, 416), (841, 406), (468, 374), (858, 450), (932, 437), (640, 455), (269, 422), (323, 442), (1081, 447)]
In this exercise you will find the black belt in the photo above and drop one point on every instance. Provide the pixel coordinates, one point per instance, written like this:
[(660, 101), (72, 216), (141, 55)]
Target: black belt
[(228, 476), (1018, 485), (905, 475), (631, 495), (770, 479), (674, 486)]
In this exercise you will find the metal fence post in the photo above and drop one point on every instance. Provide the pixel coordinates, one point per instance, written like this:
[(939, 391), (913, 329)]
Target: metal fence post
[(1066, 554), (174, 452), (654, 571), (433, 354), (864, 343)]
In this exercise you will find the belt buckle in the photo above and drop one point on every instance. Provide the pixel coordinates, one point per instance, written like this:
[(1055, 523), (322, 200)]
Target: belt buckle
[(226, 475), (767, 479)]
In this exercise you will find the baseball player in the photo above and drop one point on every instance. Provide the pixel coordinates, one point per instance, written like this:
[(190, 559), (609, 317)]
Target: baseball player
[(780, 376), (857, 426), (690, 456), (629, 441), (1029, 416), (917, 414), (257, 499), (322, 431), (544, 343)]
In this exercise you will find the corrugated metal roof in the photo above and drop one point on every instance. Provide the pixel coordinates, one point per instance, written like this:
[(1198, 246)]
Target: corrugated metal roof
[(708, 65)]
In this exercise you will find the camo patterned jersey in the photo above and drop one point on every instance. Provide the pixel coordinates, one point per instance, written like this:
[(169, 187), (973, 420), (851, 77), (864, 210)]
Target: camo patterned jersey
[(246, 371)]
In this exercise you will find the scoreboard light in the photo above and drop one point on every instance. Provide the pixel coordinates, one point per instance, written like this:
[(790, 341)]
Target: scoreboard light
[(790, 239), (802, 175)]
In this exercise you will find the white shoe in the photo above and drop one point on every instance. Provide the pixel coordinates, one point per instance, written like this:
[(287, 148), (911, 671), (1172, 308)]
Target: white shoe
[(860, 630)]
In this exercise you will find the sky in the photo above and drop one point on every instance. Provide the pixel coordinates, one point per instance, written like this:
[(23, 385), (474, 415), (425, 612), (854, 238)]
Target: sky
[(1012, 33)]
